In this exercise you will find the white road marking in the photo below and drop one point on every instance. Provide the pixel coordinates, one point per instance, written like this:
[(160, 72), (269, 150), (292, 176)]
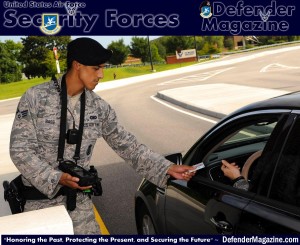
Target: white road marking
[(196, 77), (276, 67), (182, 111)]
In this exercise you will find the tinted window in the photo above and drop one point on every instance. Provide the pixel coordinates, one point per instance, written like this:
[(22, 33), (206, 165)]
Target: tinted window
[(257, 131), (246, 140), (285, 184)]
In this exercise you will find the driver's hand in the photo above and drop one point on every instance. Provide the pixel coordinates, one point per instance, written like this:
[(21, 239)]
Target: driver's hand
[(230, 170)]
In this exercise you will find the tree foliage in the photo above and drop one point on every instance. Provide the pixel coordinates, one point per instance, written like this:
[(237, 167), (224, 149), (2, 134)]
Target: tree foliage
[(161, 50), (10, 68), (120, 52), (35, 54), (178, 42), (154, 54), (139, 48), (266, 40), (216, 41), (228, 43)]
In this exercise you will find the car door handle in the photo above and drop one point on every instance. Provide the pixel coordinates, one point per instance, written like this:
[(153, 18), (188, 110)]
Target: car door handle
[(222, 225)]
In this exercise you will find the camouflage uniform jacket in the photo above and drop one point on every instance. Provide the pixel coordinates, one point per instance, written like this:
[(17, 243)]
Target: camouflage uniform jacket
[(35, 135)]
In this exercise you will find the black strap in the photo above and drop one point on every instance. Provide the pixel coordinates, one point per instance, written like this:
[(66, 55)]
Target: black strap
[(81, 124), (63, 123), (63, 120)]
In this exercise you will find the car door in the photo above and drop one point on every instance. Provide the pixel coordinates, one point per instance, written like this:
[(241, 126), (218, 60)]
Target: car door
[(208, 204), (276, 209)]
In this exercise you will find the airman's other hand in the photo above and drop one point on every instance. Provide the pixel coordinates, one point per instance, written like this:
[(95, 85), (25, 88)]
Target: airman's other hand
[(70, 181)]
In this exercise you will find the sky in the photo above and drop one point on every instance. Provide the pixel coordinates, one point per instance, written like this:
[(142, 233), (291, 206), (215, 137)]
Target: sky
[(104, 40)]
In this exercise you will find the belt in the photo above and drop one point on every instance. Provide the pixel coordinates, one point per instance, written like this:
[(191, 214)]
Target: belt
[(31, 193)]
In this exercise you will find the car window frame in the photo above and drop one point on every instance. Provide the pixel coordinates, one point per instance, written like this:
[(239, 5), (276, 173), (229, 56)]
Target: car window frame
[(201, 145), (283, 116)]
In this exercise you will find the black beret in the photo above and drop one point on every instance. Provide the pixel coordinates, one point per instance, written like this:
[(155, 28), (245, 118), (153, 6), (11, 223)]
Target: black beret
[(88, 52)]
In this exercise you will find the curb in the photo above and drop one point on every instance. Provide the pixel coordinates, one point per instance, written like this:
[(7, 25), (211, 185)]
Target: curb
[(187, 106)]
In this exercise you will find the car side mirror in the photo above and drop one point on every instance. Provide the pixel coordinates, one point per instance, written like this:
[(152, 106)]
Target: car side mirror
[(175, 158)]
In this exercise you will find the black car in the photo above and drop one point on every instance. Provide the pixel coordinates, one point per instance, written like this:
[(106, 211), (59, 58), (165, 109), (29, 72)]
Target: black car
[(264, 140)]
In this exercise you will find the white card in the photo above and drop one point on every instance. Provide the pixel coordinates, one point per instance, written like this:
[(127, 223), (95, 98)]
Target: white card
[(197, 167)]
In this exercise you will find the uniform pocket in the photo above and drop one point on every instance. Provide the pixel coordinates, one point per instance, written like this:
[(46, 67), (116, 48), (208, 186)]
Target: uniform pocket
[(48, 125)]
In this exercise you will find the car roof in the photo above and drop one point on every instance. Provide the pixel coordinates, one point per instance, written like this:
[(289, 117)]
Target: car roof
[(287, 101)]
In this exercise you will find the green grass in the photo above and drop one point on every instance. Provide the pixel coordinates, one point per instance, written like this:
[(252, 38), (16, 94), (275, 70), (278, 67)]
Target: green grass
[(131, 71), (16, 89)]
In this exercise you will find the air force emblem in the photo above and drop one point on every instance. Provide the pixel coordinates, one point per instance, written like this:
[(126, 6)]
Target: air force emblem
[(50, 24), (205, 9)]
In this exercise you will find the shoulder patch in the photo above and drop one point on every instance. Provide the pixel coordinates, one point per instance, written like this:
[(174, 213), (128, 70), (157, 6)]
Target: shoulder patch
[(21, 114)]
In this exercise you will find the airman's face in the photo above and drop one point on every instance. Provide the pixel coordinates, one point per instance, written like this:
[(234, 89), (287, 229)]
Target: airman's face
[(90, 75)]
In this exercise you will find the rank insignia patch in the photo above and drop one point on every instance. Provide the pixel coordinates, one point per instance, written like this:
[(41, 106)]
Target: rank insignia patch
[(21, 114)]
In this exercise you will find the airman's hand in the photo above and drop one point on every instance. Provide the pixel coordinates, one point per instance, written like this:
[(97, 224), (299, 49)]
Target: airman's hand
[(70, 181), (181, 172)]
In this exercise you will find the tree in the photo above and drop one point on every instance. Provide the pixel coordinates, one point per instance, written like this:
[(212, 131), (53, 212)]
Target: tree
[(217, 41), (35, 52), (154, 53), (139, 48), (10, 69), (228, 43), (179, 42), (120, 52), (161, 49), (209, 49), (292, 38)]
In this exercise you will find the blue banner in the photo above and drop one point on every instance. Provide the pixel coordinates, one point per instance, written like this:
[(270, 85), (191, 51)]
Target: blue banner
[(155, 17), (159, 239)]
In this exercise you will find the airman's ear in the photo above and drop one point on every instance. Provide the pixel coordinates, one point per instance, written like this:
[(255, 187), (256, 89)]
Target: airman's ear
[(76, 65)]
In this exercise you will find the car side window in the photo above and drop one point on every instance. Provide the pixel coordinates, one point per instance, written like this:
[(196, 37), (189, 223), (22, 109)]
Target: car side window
[(286, 180), (244, 146), (242, 142), (253, 136)]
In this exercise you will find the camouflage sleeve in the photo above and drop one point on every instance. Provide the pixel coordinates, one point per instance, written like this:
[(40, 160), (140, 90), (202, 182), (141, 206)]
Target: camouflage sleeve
[(24, 150), (149, 164), (242, 184)]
